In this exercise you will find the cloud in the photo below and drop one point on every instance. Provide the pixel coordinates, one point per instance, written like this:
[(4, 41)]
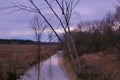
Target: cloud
[(16, 34), (14, 30), (95, 9), (15, 25), (9, 26)]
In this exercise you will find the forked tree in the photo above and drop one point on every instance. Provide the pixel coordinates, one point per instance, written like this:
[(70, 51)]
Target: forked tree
[(62, 10), (37, 25)]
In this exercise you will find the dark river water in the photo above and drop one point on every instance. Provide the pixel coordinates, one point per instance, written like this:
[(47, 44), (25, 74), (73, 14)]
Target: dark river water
[(53, 68)]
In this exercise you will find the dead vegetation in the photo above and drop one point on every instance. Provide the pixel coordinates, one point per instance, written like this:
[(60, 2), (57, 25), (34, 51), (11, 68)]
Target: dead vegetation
[(101, 66), (16, 59)]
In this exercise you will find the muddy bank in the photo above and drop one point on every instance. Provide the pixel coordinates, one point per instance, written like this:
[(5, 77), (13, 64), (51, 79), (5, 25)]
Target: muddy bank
[(104, 65)]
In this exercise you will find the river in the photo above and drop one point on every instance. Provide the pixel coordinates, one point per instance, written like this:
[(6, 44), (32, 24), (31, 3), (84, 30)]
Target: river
[(54, 68)]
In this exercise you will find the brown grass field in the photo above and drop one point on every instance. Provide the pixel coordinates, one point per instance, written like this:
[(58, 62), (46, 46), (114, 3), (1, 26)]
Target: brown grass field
[(19, 58), (104, 65)]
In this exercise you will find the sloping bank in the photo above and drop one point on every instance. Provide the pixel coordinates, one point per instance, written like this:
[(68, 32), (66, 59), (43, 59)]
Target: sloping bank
[(104, 65)]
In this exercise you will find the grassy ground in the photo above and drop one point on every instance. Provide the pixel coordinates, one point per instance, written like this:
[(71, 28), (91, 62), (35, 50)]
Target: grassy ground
[(19, 58), (104, 65)]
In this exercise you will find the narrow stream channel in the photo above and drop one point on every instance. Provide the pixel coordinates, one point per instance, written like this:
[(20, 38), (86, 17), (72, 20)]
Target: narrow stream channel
[(51, 69)]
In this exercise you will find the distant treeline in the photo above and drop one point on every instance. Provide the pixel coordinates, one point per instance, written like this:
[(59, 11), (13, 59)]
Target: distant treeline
[(19, 41), (16, 41)]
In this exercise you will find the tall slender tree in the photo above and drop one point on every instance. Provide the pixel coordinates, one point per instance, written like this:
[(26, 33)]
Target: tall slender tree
[(63, 11), (38, 27)]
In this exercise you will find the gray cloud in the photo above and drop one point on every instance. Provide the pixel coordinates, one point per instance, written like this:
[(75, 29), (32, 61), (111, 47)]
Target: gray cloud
[(15, 25), (96, 9)]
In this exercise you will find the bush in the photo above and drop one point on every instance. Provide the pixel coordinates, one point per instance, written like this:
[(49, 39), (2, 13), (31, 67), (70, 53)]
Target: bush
[(97, 36)]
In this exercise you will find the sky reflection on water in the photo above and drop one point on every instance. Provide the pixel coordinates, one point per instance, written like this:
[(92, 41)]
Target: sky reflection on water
[(50, 70)]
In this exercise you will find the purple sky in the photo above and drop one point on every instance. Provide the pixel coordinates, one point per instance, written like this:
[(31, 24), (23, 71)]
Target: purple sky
[(16, 26)]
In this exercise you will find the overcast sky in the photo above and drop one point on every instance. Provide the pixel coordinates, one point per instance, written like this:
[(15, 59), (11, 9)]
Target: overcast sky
[(16, 25)]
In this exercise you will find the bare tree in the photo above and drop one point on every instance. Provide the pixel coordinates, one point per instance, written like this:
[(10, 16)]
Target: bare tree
[(63, 14), (50, 71), (38, 27)]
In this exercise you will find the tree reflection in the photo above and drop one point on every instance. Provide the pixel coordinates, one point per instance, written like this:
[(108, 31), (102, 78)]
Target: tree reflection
[(50, 71)]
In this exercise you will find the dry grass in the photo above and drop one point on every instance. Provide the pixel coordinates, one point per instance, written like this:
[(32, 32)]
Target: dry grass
[(19, 58), (101, 66), (67, 66)]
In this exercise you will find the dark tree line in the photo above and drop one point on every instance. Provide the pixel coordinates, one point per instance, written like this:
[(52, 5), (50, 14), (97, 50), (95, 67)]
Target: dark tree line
[(16, 41)]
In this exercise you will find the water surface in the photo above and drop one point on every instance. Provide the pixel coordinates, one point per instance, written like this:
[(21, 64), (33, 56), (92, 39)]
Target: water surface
[(51, 69)]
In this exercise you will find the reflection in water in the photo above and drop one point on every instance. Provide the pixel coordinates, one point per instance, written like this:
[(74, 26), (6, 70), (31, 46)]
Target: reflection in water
[(49, 70)]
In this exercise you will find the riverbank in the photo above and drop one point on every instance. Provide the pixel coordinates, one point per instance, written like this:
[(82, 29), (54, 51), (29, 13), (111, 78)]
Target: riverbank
[(104, 65), (16, 59), (67, 66)]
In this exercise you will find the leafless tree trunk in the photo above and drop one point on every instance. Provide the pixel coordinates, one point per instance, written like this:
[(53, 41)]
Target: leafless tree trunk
[(66, 8), (38, 28), (50, 71)]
